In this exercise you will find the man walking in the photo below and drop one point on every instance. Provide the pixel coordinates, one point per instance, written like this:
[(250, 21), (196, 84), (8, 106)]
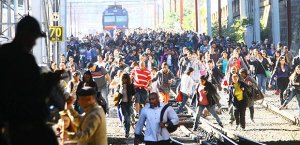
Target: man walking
[(164, 80), (156, 132), (142, 83)]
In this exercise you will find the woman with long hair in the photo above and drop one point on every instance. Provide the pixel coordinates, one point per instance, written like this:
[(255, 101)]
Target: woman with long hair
[(295, 89), (223, 62), (207, 97), (126, 90), (281, 72), (186, 87), (87, 80)]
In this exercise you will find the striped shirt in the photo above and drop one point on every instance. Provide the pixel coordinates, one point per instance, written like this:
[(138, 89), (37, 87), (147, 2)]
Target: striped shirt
[(141, 77)]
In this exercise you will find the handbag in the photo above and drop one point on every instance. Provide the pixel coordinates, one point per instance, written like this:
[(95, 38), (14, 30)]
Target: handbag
[(179, 97), (257, 95), (116, 98), (171, 127), (267, 72)]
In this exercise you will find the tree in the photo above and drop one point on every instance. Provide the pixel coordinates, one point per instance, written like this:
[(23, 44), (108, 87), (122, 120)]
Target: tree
[(172, 19), (236, 31)]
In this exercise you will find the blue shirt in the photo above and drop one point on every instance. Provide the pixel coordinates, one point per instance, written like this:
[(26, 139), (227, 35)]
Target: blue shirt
[(224, 65)]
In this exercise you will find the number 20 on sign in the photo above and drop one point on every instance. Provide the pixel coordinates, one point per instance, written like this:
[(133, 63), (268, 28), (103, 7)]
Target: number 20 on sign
[(56, 33)]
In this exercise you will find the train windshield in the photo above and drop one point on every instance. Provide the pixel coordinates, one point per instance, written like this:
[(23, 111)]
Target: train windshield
[(109, 19), (121, 18)]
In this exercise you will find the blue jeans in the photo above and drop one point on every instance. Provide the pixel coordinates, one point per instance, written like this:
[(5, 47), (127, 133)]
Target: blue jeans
[(210, 109), (292, 94), (185, 97), (261, 82), (104, 94), (126, 113)]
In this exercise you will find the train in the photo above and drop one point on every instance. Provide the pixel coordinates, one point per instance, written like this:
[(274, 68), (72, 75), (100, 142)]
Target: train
[(115, 18)]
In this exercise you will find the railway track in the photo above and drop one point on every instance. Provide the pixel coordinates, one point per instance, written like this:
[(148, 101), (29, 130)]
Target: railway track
[(269, 128), (272, 127)]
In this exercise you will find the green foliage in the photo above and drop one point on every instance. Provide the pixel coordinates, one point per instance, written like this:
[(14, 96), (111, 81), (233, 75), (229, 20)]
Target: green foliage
[(264, 31), (189, 21), (172, 19), (235, 31)]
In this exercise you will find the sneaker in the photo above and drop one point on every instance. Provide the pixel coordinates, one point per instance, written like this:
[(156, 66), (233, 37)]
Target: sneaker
[(195, 129), (252, 120), (220, 124)]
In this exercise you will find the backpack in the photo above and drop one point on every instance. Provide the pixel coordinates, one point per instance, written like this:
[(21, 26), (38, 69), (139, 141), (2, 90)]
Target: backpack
[(171, 127)]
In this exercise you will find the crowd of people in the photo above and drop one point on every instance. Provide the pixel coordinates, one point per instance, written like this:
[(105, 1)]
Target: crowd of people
[(140, 68), (154, 60)]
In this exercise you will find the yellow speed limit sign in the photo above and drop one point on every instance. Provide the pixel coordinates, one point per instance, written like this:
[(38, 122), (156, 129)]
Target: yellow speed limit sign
[(56, 33)]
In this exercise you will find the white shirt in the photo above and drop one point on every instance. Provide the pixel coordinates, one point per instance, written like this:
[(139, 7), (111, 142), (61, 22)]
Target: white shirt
[(154, 88), (169, 60), (186, 85), (152, 118)]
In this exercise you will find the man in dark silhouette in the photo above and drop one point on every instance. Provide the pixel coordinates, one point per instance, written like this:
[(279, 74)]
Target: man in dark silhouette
[(23, 109)]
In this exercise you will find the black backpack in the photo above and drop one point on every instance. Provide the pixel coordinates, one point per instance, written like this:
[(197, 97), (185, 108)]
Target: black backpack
[(171, 127)]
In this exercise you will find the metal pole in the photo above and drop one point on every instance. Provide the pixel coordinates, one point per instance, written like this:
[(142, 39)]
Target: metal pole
[(25, 6), (154, 7), (163, 11), (63, 22), (257, 20), (158, 16), (170, 5), (9, 18), (275, 21), (289, 15), (16, 13), (230, 15), (175, 6), (196, 14), (71, 26), (243, 8), (220, 17), (181, 14), (1, 4), (209, 32)]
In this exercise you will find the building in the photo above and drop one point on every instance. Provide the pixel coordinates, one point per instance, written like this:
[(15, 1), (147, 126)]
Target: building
[(277, 19)]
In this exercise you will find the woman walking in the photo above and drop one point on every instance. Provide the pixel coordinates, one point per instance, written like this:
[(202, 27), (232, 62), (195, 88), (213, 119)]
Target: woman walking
[(126, 90), (186, 87), (295, 89), (207, 97), (281, 72), (238, 98)]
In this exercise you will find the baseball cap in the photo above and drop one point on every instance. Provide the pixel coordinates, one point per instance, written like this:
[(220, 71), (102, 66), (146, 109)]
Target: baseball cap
[(29, 24), (86, 91)]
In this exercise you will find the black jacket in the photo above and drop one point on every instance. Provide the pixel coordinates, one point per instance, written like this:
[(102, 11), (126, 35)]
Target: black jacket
[(212, 95), (246, 94), (130, 91)]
